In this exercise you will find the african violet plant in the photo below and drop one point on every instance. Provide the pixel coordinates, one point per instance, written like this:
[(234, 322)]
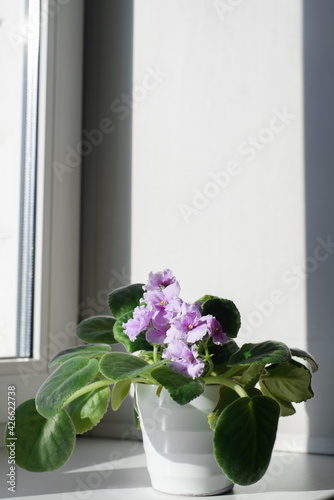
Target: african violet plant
[(177, 346)]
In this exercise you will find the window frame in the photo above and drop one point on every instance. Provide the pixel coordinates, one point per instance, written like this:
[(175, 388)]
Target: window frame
[(57, 239)]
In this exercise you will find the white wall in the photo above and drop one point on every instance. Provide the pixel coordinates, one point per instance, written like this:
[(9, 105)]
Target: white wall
[(228, 104), (226, 82)]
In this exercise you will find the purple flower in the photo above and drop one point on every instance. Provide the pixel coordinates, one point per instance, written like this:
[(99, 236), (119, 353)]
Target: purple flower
[(215, 330), (140, 321), (198, 304), (188, 325), (184, 359), (162, 280), (157, 334), (175, 334), (165, 303)]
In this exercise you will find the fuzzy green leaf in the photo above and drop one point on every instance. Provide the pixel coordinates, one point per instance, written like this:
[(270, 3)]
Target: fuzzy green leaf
[(251, 376), (87, 351), (253, 392), (262, 353), (290, 381), (226, 397), (120, 366), (225, 312), (125, 299), (139, 344), (87, 410), (220, 354), (41, 444), (244, 437), (119, 393), (181, 389), (286, 408), (97, 329), (305, 355), (63, 383)]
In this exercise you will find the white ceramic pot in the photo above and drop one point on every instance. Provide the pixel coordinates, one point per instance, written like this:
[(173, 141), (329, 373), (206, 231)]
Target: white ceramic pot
[(178, 443)]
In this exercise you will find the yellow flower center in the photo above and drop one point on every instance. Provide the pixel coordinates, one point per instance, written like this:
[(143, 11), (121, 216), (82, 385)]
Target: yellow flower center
[(190, 327), (163, 302)]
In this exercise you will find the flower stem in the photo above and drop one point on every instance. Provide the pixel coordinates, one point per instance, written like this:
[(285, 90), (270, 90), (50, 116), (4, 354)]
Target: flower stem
[(228, 383), (88, 388), (155, 353), (208, 359), (159, 390), (146, 379)]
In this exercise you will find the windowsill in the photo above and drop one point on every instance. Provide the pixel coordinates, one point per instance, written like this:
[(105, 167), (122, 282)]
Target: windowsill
[(118, 469)]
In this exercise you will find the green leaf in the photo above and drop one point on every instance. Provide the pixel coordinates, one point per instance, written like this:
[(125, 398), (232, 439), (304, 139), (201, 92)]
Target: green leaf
[(120, 366), (251, 376), (131, 346), (222, 353), (87, 410), (290, 381), (305, 355), (225, 312), (244, 437), (41, 444), (119, 393), (206, 297), (286, 408), (125, 299), (87, 351), (226, 397), (254, 392), (97, 329), (63, 382), (262, 353), (181, 389)]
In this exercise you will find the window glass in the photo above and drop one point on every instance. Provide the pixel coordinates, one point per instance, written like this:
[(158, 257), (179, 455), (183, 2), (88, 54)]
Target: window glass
[(19, 53)]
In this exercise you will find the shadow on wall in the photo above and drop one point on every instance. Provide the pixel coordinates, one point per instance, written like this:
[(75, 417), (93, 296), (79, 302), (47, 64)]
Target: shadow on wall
[(107, 137), (319, 183)]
